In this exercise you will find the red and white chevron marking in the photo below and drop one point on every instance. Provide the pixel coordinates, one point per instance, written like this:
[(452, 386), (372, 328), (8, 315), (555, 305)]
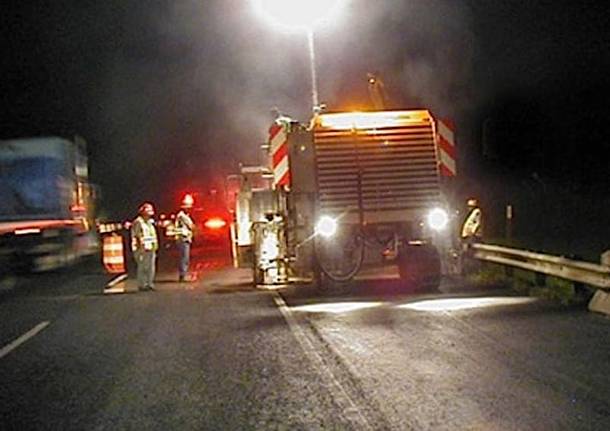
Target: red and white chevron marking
[(446, 146), (278, 149)]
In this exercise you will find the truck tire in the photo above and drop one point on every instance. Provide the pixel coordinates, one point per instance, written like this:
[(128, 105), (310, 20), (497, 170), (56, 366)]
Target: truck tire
[(6, 274), (319, 281), (419, 267), (326, 285)]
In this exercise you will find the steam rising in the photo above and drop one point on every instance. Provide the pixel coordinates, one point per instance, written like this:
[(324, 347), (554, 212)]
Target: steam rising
[(172, 95), (199, 84)]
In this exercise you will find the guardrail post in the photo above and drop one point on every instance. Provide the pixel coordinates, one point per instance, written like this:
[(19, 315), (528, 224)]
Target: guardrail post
[(469, 264), (605, 258), (509, 222), (601, 299)]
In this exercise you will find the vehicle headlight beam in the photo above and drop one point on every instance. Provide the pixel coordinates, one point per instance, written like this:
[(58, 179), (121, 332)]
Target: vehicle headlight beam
[(326, 226), (438, 219)]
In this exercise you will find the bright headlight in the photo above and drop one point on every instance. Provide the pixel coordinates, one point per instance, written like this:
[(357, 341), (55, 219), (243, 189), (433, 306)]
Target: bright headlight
[(438, 219), (326, 226)]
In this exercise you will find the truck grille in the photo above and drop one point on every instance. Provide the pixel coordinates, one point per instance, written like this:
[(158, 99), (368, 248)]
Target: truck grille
[(383, 169)]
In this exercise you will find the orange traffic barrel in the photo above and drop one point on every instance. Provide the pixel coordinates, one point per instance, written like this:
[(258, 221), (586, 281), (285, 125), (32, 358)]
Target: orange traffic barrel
[(112, 254)]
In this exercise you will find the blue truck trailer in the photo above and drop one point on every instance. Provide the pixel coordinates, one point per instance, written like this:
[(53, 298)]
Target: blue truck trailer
[(46, 204)]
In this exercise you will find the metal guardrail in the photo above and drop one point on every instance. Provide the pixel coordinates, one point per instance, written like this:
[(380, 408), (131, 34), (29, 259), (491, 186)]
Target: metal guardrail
[(578, 271)]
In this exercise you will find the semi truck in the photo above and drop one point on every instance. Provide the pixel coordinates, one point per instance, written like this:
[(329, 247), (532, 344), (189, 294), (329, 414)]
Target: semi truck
[(46, 204), (346, 192)]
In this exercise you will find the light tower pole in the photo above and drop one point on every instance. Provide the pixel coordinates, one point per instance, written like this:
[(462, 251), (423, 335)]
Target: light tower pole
[(314, 79), (299, 16)]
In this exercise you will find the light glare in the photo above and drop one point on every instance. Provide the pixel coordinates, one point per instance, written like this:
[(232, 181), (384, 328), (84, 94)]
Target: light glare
[(373, 120), (269, 248), (438, 219), (336, 307), (326, 226), (298, 15), (215, 223), (456, 304)]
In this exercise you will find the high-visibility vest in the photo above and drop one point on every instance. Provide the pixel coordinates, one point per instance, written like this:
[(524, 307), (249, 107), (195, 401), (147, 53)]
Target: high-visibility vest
[(472, 224), (184, 227), (144, 235)]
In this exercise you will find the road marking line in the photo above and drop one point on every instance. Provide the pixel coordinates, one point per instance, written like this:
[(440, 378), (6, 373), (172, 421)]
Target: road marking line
[(25, 337), (339, 393)]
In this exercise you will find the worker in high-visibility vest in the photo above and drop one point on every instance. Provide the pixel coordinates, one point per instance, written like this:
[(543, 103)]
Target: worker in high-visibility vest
[(184, 236), (144, 244), (472, 228)]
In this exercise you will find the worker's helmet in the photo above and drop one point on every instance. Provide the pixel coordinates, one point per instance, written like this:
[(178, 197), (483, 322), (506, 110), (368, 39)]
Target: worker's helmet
[(472, 202), (187, 201), (147, 209)]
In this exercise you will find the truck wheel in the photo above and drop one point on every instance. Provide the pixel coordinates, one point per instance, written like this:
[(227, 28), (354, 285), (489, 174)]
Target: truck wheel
[(67, 256), (419, 267), (320, 281), (326, 285)]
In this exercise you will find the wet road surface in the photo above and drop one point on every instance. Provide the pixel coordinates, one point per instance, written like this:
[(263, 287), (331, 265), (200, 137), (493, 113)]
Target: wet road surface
[(218, 354)]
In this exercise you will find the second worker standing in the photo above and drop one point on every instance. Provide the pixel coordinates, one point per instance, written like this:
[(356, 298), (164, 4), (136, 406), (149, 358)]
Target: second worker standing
[(184, 237)]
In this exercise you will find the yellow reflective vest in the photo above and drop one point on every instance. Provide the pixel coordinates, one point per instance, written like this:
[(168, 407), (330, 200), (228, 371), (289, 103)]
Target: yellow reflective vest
[(144, 235), (472, 224), (184, 227)]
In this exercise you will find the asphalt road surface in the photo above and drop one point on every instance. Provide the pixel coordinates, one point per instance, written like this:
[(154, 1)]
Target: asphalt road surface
[(216, 354)]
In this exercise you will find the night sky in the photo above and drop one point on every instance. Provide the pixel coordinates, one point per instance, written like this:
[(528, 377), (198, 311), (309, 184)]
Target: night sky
[(171, 95)]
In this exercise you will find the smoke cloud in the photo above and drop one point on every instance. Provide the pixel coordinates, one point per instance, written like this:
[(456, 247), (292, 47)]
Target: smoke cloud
[(190, 92), (173, 95)]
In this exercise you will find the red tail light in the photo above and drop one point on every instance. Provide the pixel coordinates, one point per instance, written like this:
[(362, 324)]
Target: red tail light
[(215, 223)]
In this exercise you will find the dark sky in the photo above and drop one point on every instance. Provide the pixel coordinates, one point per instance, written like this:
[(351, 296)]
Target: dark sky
[(172, 94)]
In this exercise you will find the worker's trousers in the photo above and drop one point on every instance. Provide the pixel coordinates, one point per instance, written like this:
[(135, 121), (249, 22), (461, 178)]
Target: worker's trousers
[(146, 261), (184, 248)]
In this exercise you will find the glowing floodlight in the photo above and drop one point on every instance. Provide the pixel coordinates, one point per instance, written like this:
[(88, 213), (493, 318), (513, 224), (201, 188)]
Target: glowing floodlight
[(326, 226), (438, 219), (298, 15)]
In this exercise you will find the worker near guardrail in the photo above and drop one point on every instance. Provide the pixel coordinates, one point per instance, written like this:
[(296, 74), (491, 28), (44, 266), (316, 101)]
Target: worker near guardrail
[(184, 236), (472, 228), (144, 244), (471, 232)]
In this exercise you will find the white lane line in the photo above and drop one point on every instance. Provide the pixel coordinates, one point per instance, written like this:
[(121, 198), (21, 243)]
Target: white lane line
[(339, 393), (25, 337)]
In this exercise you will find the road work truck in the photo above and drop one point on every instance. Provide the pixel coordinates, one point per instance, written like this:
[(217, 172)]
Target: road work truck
[(46, 204), (344, 194)]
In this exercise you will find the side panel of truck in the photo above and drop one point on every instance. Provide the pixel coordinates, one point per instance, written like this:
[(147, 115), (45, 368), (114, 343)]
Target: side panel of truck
[(46, 204), (36, 179)]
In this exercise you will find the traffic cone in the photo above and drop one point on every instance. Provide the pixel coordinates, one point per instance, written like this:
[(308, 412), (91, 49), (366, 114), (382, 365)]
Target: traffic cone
[(113, 256)]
